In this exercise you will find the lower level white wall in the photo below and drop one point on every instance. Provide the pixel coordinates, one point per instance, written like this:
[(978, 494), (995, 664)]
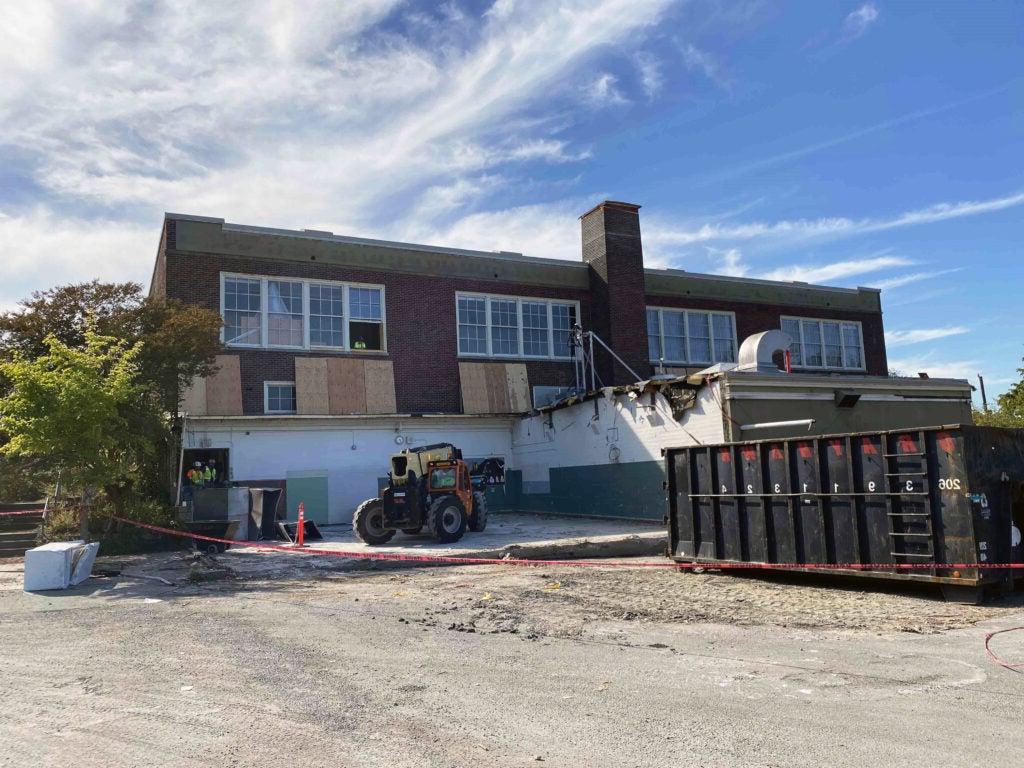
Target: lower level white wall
[(353, 452), (623, 430)]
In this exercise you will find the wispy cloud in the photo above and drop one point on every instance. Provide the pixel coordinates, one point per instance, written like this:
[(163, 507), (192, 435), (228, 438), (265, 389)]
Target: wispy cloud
[(832, 228), (859, 21), (935, 367), (603, 91), (918, 335), (837, 270), (913, 277), (649, 69), (259, 111), (698, 60)]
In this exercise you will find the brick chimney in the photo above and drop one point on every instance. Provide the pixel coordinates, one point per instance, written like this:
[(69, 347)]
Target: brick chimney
[(612, 250)]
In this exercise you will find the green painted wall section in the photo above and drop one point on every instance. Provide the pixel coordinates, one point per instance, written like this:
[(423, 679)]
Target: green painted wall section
[(630, 491), (311, 489)]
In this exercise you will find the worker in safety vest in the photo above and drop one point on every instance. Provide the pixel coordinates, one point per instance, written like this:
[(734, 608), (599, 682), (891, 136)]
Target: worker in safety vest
[(195, 475), (210, 474)]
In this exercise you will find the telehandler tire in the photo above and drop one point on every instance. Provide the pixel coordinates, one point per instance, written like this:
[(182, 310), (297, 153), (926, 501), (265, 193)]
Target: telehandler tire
[(478, 520), (447, 519), (368, 523)]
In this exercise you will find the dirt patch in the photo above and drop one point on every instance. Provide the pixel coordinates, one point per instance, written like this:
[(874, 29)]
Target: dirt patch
[(544, 601)]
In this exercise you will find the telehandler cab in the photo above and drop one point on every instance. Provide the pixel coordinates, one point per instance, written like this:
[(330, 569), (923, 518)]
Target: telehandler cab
[(427, 486)]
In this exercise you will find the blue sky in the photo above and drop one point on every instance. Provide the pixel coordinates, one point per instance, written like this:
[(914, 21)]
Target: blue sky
[(850, 143)]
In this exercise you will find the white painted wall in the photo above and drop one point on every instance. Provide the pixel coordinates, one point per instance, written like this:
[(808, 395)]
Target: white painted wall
[(633, 426), (354, 452)]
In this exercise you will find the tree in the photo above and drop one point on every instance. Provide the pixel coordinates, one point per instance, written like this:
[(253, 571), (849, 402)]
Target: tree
[(181, 340), (69, 405), (1009, 410), (173, 343)]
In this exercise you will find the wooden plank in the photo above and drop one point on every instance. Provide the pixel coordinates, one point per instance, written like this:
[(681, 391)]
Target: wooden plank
[(473, 383), (518, 388), (224, 388), (193, 402), (379, 376), (497, 388), (311, 386), (346, 387)]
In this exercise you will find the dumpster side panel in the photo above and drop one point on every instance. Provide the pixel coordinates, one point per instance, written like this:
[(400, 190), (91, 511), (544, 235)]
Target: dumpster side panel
[(810, 519), (873, 506), (782, 535), (840, 516)]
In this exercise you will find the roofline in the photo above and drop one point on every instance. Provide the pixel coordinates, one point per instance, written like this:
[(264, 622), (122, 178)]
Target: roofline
[(316, 234), (758, 281)]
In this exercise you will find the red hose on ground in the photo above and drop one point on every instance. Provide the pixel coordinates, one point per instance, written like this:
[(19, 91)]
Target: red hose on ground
[(1018, 667)]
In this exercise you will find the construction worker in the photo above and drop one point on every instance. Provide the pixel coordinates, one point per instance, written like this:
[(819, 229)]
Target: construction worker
[(195, 475), (210, 473)]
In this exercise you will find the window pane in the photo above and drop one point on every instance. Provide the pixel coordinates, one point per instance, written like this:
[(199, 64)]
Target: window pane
[(563, 318), (504, 327), (653, 335), (792, 329), (833, 345), (281, 398), (852, 352), (325, 315), (812, 343), (363, 334), (242, 321), (535, 328), (472, 316), (284, 313), (725, 339), (699, 328), (365, 303), (673, 329)]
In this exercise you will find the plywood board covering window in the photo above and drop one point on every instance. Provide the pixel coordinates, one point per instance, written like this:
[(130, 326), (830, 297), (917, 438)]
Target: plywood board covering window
[(494, 387), (224, 388)]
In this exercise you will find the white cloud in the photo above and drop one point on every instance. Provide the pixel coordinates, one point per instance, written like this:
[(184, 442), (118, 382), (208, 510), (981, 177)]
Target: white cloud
[(603, 91), (41, 249), (834, 227), (912, 277), (918, 335), (859, 21), (259, 112), (936, 368), (651, 78), (698, 60), (837, 270)]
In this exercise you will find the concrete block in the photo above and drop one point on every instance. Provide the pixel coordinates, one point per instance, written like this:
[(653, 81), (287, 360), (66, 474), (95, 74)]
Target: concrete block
[(58, 565)]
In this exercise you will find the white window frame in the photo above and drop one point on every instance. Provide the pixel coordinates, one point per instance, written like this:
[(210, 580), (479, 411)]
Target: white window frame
[(306, 282), (266, 397), (520, 355), (800, 320), (686, 337)]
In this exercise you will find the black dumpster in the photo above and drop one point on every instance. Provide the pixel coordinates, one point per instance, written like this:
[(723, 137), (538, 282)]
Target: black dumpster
[(932, 497)]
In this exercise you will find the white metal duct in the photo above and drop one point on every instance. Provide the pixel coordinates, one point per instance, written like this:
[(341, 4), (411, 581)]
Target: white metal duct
[(756, 351)]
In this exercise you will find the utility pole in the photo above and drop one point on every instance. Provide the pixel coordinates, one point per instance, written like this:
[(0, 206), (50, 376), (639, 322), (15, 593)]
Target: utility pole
[(984, 398)]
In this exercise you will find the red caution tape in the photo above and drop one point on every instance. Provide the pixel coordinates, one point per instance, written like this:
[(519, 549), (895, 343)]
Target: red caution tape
[(453, 560), (1019, 667)]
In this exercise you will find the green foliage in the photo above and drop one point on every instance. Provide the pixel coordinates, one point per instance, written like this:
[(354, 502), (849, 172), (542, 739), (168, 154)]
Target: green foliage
[(69, 406), (1009, 411), (115, 537), (170, 344)]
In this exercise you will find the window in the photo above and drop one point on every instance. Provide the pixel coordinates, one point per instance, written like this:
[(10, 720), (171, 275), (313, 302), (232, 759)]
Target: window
[(690, 337), (242, 317), (279, 397), (472, 325), (284, 314), (297, 314), (826, 344), (326, 314), (507, 326), (365, 328)]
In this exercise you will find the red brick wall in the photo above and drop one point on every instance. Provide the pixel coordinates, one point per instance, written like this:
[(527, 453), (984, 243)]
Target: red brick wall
[(421, 326), (754, 318), (612, 247)]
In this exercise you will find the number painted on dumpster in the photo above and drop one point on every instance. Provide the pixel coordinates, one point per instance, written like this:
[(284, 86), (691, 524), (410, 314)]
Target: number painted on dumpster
[(778, 488), (949, 484)]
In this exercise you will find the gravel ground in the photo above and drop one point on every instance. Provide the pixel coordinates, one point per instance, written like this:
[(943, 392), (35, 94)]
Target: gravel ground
[(309, 665)]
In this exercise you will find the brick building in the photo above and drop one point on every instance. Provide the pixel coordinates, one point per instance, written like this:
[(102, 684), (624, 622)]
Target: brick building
[(341, 334)]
